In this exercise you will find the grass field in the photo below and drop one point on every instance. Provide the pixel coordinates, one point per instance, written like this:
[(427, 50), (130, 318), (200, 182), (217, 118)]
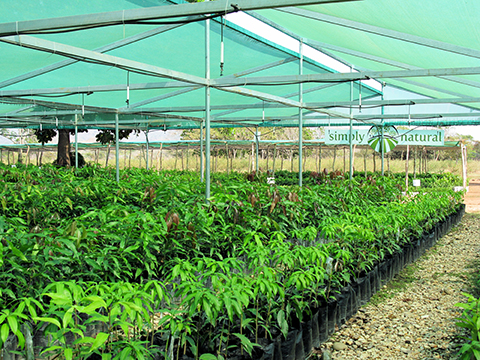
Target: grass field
[(180, 160)]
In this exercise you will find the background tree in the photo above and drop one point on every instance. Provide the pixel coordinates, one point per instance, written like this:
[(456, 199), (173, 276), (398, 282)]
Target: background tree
[(64, 154)]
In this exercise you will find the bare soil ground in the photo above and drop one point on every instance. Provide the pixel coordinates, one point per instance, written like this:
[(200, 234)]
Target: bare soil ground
[(472, 197)]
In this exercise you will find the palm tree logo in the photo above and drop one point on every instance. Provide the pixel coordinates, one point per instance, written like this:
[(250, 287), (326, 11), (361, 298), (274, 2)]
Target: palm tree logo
[(385, 141)]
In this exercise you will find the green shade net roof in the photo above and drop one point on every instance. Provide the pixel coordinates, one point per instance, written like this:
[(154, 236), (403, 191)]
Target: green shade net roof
[(397, 35), (59, 86)]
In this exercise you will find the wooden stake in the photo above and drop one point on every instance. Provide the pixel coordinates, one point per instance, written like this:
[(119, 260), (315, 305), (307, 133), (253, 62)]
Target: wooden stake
[(176, 158), (415, 163), (365, 162), (281, 160), (334, 157), (252, 167), (463, 149), (267, 159), (320, 159), (304, 158), (274, 157), (161, 155), (181, 154), (291, 159), (226, 156)]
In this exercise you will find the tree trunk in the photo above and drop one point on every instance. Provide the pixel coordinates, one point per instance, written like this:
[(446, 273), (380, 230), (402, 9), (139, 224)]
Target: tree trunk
[(320, 159), (108, 155), (63, 148), (365, 163), (28, 155)]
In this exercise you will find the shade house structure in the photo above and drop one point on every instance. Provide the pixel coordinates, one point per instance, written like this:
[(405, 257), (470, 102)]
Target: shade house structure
[(153, 64)]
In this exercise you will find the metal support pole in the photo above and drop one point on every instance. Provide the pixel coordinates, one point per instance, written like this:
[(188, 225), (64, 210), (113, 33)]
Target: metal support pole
[(202, 168), (463, 149), (117, 145), (383, 143), (350, 140), (76, 144), (207, 110), (300, 117), (383, 150), (146, 138), (256, 149)]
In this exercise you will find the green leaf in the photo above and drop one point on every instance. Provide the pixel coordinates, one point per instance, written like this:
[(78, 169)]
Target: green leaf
[(125, 354), (13, 322), (282, 323), (70, 203), (208, 357), (17, 252), (20, 338), (100, 339), (67, 317), (68, 352), (49, 320), (4, 332), (246, 343)]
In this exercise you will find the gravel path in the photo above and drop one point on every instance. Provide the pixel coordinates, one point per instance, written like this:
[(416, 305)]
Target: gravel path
[(413, 316)]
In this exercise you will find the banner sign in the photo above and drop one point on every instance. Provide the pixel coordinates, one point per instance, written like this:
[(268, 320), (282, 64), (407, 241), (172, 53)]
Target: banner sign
[(404, 137)]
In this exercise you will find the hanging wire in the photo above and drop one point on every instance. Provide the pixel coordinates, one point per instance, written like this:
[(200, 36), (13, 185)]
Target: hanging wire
[(222, 26), (360, 96), (128, 89)]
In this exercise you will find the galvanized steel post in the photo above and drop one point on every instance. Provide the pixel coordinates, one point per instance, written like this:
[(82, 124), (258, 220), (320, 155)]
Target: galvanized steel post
[(383, 140), (117, 145), (146, 138), (207, 110), (300, 117), (202, 169), (76, 144), (256, 149), (350, 141)]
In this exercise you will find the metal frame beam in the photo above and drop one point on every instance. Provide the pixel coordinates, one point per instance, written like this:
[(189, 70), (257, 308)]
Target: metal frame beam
[(104, 59), (320, 46), (162, 112), (346, 116), (325, 104), (440, 45), (278, 99), (115, 45), (95, 88), (149, 13), (183, 91), (336, 77)]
